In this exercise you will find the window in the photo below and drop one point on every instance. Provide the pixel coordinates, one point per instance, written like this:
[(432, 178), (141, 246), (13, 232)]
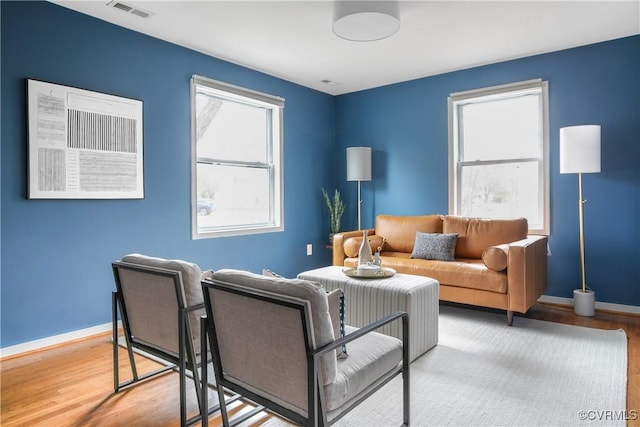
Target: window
[(498, 150), (237, 160)]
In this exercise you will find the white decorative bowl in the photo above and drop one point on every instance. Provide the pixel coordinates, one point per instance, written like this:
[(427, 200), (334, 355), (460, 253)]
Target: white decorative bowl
[(368, 269)]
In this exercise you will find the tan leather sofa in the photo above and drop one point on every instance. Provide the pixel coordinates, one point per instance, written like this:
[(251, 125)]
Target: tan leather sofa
[(496, 264)]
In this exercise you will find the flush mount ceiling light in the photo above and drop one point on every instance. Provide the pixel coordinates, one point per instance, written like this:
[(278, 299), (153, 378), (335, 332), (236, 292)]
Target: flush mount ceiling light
[(364, 21)]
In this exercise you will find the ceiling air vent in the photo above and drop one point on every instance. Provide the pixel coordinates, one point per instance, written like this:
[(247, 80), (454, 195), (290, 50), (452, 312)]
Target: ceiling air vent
[(129, 9)]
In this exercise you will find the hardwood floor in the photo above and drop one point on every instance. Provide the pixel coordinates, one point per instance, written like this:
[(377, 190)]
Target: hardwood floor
[(72, 384)]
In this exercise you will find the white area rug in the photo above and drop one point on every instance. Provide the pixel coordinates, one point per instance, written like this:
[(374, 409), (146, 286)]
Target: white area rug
[(484, 373)]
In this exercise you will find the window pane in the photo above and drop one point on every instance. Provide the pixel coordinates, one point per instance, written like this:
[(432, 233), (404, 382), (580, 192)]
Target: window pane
[(501, 191), (230, 130), (499, 145), (501, 129), (239, 196), (237, 144)]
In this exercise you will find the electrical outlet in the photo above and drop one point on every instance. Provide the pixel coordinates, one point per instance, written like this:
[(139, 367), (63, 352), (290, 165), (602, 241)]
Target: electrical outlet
[(309, 249)]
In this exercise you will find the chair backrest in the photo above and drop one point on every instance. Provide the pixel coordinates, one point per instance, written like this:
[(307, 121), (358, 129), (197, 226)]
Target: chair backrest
[(276, 319), (153, 291)]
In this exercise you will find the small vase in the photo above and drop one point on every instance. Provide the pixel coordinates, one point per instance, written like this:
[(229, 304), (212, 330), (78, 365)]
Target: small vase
[(364, 254), (376, 259)]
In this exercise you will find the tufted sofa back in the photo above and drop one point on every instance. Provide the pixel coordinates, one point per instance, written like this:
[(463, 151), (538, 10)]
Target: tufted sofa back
[(400, 231), (477, 234)]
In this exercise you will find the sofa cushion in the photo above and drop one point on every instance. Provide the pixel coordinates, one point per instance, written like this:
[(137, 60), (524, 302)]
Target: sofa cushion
[(352, 245), (400, 231), (496, 257), (477, 234), (463, 273), (437, 246)]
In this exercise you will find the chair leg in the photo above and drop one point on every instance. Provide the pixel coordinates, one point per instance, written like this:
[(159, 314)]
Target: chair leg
[(223, 406), (204, 390), (203, 393), (116, 360), (114, 333), (198, 384), (182, 371), (509, 318), (406, 400)]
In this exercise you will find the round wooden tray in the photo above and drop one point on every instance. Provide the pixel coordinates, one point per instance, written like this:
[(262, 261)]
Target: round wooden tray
[(384, 272)]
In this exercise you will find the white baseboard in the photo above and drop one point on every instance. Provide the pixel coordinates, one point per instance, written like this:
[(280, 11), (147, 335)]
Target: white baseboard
[(630, 309), (54, 340)]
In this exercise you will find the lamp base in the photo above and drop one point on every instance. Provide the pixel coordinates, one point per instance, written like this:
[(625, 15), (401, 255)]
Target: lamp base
[(584, 303)]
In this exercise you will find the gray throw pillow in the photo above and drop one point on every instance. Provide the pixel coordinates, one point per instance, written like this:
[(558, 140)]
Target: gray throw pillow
[(436, 246)]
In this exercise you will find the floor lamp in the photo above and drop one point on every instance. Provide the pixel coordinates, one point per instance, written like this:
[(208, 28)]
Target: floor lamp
[(580, 153), (359, 169)]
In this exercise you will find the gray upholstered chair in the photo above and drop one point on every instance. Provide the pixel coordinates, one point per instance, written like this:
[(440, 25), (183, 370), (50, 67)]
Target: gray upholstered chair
[(160, 303), (273, 342)]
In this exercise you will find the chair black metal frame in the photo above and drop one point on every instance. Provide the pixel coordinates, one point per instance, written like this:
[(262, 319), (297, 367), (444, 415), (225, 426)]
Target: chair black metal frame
[(185, 360), (316, 415)]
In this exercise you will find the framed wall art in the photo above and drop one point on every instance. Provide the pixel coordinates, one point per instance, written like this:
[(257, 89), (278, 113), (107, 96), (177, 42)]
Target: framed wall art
[(83, 144)]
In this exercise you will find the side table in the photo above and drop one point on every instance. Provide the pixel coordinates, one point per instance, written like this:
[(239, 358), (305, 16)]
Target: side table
[(367, 300)]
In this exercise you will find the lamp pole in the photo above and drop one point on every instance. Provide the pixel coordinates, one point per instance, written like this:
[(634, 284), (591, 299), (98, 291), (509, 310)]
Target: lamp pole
[(359, 207), (581, 203)]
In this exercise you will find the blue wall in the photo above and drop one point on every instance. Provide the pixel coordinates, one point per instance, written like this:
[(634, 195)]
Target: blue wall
[(56, 254), (406, 125)]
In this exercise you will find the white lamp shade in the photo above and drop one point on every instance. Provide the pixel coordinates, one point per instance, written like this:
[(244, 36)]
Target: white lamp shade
[(365, 20), (580, 149), (358, 163)]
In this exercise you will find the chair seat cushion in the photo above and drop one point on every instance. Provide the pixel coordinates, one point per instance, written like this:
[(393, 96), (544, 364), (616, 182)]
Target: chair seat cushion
[(370, 357)]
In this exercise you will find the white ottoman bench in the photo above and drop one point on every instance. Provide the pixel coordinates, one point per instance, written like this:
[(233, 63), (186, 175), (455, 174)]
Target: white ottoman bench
[(367, 300)]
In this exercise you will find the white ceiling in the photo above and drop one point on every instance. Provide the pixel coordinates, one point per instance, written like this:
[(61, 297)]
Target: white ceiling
[(293, 40)]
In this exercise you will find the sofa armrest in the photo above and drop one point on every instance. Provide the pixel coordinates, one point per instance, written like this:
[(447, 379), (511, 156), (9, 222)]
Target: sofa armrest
[(526, 272), (338, 243)]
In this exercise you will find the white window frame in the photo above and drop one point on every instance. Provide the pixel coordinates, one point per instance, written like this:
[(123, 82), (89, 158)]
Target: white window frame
[(458, 99), (274, 162)]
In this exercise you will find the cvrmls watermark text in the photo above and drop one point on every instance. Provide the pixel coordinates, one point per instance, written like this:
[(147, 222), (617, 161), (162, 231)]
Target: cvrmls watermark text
[(608, 415)]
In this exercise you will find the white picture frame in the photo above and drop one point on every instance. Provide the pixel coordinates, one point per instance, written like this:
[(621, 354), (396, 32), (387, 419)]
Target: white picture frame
[(83, 144)]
